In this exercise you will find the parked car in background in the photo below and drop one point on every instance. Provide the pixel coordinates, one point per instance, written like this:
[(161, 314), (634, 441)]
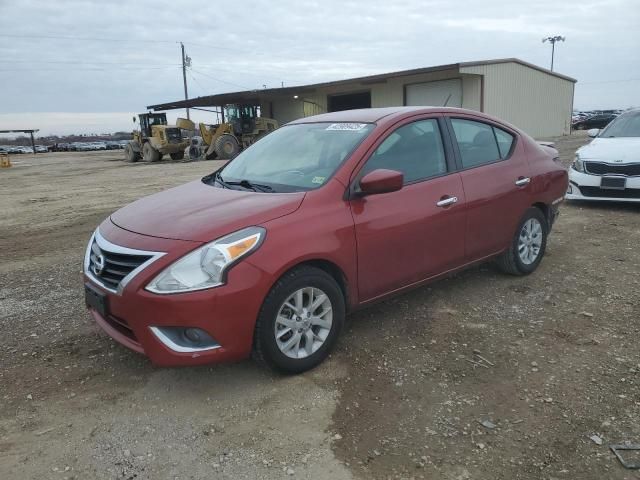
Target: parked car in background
[(325, 215), (83, 147), (41, 149), (60, 147), (608, 168), (22, 149), (595, 121)]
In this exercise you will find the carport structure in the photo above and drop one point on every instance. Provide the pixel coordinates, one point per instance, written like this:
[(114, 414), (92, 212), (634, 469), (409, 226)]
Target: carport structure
[(533, 98), (30, 132)]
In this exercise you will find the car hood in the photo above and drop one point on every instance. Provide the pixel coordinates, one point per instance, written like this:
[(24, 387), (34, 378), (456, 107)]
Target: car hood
[(199, 212), (618, 150)]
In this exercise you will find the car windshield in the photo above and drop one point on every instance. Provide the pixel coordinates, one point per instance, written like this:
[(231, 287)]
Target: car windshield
[(626, 125), (295, 157)]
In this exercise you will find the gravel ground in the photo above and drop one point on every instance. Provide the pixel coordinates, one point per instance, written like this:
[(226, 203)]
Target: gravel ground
[(479, 376)]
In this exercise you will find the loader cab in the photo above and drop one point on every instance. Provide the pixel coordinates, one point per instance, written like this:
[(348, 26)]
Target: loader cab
[(242, 117), (147, 120)]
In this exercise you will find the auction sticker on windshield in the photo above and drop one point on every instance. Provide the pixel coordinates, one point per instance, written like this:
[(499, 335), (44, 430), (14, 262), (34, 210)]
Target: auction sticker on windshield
[(346, 126)]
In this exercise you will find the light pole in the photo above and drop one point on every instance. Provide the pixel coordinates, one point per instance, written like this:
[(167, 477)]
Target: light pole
[(553, 41)]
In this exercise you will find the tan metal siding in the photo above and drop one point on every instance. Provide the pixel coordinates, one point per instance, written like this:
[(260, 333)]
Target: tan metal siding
[(471, 91), (532, 100), (384, 94), (287, 109)]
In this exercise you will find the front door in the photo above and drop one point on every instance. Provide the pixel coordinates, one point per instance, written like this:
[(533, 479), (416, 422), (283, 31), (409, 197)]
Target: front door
[(417, 232)]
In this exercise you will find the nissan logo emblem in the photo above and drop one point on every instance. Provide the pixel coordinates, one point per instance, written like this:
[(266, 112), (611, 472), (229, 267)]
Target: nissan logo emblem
[(98, 264)]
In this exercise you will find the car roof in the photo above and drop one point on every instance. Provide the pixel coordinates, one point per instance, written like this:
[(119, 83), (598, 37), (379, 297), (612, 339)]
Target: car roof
[(391, 114), (374, 115)]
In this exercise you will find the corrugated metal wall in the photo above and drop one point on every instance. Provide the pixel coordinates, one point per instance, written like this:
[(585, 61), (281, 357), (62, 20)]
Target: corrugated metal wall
[(532, 100), (538, 103), (383, 94)]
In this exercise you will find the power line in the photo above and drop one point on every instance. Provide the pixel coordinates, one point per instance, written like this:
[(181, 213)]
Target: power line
[(609, 81), (220, 80), (202, 88), (130, 40), (69, 37), (89, 69), (83, 62)]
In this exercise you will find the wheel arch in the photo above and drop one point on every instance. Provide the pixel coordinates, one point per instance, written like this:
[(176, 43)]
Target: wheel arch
[(546, 211), (329, 267)]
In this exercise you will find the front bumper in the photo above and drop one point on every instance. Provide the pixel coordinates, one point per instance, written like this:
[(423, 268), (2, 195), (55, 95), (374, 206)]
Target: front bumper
[(227, 313), (583, 186)]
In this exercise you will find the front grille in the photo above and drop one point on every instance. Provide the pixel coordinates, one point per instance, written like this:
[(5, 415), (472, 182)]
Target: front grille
[(173, 135), (600, 168), (110, 267), (610, 193)]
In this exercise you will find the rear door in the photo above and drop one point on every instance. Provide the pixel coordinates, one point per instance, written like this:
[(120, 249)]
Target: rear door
[(417, 232), (496, 179)]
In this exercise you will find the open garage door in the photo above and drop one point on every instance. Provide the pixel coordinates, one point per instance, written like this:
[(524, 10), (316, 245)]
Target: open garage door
[(348, 101), (435, 93)]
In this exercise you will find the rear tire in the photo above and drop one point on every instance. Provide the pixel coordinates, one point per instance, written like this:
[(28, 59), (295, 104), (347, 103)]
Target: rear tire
[(527, 246), (226, 147), (130, 155), (280, 321), (177, 155), (150, 154)]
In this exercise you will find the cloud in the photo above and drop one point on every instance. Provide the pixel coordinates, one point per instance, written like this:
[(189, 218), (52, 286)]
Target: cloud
[(124, 55)]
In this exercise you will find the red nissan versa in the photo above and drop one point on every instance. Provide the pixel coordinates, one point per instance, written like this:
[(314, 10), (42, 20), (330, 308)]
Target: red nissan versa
[(326, 214)]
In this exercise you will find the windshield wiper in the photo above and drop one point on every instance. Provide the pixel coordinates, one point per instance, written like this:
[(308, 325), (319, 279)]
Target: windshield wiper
[(256, 187)]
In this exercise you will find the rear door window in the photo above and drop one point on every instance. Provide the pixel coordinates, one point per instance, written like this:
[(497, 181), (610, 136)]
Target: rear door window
[(505, 141), (480, 143)]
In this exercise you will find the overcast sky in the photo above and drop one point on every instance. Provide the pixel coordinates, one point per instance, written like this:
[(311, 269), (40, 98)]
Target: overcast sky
[(119, 56)]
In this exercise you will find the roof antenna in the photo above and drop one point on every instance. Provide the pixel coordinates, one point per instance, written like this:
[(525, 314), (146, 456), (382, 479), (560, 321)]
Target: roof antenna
[(447, 100)]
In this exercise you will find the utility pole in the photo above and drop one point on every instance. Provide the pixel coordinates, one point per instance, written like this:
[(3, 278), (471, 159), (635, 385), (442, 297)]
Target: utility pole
[(186, 62), (553, 41)]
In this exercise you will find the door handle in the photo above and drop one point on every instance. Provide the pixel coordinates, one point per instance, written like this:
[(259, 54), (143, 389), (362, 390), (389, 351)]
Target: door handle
[(523, 181), (447, 201)]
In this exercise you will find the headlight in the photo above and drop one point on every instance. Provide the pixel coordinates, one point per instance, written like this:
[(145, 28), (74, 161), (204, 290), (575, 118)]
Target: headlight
[(205, 267), (578, 164)]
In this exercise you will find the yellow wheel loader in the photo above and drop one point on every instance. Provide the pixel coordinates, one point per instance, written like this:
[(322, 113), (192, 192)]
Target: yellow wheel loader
[(225, 140), (155, 138)]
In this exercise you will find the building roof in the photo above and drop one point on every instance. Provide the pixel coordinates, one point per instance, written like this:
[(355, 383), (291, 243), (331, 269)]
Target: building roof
[(253, 96)]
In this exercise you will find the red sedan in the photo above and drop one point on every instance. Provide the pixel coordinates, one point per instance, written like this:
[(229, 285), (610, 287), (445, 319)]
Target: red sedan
[(325, 215)]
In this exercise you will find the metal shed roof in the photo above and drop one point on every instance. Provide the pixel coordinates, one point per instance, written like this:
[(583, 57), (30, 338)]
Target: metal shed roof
[(253, 96)]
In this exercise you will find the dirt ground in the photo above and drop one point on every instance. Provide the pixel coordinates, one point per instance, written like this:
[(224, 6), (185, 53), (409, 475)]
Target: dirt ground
[(399, 398)]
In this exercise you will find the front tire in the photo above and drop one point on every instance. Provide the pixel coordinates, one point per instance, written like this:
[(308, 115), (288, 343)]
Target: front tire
[(300, 321), (150, 154), (130, 155), (226, 146), (528, 245)]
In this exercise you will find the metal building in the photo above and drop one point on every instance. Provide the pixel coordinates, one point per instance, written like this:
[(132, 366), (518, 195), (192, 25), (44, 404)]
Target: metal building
[(532, 98)]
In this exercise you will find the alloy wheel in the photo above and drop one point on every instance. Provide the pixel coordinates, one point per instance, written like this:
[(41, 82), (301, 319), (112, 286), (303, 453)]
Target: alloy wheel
[(303, 322), (530, 241)]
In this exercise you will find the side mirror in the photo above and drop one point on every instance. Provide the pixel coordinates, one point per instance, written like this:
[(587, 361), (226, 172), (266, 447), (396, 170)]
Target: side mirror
[(381, 181), (593, 133)]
